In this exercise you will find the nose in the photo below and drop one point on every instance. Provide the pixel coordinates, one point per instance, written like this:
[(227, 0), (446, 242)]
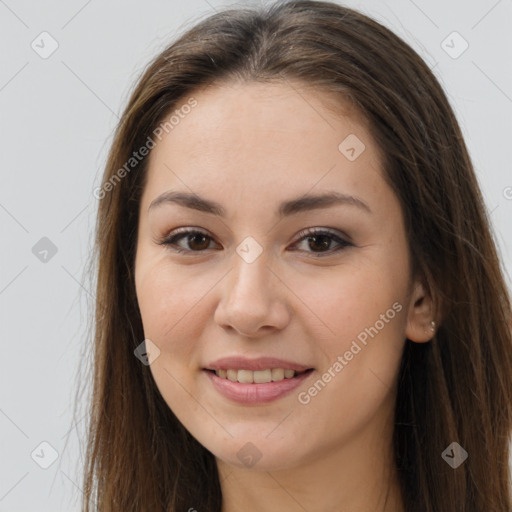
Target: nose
[(253, 301)]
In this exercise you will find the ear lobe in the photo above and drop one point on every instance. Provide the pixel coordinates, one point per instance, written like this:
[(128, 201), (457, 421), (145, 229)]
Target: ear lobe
[(420, 321)]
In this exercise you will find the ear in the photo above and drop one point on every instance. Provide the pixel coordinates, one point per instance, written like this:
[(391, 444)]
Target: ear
[(421, 325)]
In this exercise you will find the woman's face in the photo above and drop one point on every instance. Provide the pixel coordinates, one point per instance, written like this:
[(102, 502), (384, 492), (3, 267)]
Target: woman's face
[(248, 162)]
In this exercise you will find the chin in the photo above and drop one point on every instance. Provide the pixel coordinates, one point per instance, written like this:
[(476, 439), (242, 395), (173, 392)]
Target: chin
[(257, 454)]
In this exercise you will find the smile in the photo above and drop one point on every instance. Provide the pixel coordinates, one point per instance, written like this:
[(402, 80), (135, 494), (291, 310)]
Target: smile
[(258, 377), (256, 387)]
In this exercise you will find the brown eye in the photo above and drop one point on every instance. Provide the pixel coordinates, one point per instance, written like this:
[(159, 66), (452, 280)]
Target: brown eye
[(197, 241), (319, 241), (187, 240)]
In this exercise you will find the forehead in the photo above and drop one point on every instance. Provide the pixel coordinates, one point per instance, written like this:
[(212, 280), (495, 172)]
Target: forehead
[(263, 140)]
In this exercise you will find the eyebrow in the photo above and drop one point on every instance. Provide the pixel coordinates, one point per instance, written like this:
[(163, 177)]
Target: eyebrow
[(286, 208)]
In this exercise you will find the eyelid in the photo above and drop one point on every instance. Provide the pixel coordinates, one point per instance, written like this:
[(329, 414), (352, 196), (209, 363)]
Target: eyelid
[(182, 233), (341, 238), (340, 235)]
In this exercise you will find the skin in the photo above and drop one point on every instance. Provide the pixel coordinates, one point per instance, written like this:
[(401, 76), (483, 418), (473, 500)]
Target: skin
[(249, 147)]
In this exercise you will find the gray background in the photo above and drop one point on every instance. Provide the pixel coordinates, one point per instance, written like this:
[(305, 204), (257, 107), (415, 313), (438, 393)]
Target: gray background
[(57, 115)]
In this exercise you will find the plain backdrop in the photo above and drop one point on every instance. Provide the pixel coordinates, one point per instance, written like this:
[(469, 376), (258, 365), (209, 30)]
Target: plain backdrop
[(57, 114)]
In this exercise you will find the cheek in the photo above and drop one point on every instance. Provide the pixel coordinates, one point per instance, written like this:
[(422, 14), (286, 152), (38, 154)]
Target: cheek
[(363, 314), (171, 306), (173, 317), (353, 298)]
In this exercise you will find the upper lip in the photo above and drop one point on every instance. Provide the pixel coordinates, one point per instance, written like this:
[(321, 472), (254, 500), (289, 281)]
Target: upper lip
[(262, 363)]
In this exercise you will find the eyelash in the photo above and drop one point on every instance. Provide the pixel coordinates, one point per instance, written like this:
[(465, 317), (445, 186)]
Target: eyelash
[(170, 240)]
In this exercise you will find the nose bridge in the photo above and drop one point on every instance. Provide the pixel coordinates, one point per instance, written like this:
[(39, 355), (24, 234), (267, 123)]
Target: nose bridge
[(251, 298), (249, 279)]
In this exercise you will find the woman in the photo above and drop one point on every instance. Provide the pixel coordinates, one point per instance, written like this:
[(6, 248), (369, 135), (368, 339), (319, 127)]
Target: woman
[(299, 300)]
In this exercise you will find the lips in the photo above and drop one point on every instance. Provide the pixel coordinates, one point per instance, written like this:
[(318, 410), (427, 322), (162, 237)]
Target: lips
[(256, 393), (262, 363), (255, 381)]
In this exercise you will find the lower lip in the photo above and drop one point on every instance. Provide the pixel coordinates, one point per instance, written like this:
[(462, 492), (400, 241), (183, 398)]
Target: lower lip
[(256, 393)]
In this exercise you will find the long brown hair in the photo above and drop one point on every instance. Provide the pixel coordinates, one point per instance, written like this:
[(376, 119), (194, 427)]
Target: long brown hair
[(456, 388)]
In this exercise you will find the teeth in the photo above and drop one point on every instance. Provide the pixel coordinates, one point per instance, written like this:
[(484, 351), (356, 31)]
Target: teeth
[(258, 377), (277, 374), (245, 376)]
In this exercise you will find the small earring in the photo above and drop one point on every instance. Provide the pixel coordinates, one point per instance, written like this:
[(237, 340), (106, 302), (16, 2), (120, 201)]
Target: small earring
[(432, 326)]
